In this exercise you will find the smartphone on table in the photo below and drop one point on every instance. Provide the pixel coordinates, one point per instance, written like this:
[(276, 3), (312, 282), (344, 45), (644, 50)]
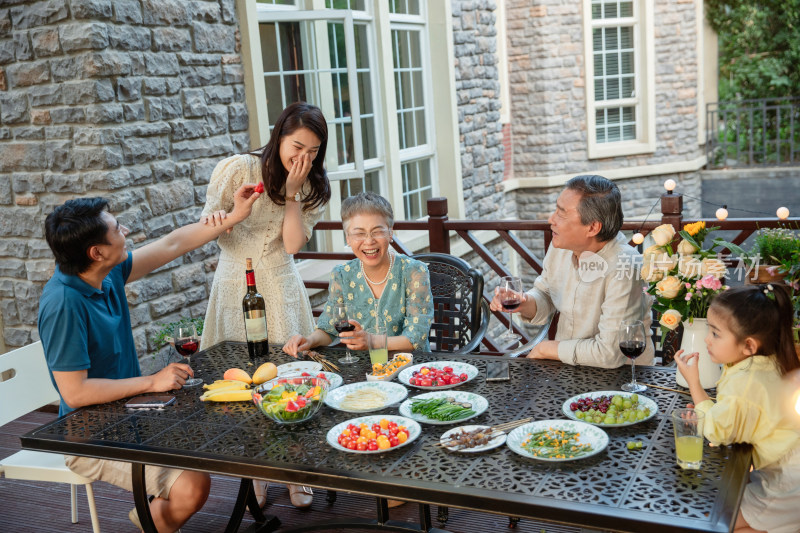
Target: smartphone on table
[(151, 401), (497, 371)]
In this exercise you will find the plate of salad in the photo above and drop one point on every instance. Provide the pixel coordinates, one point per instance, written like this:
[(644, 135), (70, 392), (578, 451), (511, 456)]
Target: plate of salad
[(444, 407), (557, 440), (291, 399)]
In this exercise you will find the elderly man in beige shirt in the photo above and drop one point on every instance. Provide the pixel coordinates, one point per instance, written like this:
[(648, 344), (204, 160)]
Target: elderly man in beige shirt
[(590, 276)]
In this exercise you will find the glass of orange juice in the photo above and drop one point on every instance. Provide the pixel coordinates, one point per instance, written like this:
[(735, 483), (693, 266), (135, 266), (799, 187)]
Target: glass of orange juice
[(688, 426)]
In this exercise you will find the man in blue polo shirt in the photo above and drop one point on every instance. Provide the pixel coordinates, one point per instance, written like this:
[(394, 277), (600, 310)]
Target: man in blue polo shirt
[(85, 327)]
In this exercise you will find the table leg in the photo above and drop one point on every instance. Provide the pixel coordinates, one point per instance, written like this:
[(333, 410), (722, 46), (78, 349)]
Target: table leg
[(247, 498), (383, 510), (140, 497)]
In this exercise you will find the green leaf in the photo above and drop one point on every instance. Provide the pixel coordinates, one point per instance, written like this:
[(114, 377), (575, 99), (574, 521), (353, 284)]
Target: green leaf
[(688, 238), (729, 245)]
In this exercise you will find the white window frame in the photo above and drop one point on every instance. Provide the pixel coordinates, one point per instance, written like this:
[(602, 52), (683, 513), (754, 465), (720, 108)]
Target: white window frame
[(644, 82)]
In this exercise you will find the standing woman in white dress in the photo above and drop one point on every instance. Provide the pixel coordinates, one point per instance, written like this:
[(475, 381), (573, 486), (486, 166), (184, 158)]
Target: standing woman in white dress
[(296, 190)]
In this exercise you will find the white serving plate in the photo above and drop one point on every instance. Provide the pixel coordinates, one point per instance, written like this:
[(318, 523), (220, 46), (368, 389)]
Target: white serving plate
[(312, 367), (395, 393), (479, 405), (589, 434), (390, 377), (414, 431), (494, 442), (643, 401), (458, 369)]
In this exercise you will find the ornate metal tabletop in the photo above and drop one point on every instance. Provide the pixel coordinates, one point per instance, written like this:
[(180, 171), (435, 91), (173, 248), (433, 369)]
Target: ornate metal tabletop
[(617, 489)]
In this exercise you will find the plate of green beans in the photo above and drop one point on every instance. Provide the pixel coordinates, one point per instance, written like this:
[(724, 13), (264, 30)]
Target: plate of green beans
[(444, 407)]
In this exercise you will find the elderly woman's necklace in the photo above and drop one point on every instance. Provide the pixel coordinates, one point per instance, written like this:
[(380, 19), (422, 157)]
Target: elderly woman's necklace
[(391, 264)]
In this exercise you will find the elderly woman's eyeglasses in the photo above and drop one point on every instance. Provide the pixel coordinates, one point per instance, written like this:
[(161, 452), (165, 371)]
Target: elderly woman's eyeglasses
[(360, 236)]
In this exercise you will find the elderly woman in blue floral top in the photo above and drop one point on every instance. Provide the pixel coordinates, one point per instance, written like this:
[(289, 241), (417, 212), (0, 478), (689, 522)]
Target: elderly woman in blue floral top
[(379, 287)]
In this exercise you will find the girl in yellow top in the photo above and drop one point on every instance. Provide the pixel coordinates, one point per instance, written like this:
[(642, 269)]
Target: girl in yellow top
[(750, 333)]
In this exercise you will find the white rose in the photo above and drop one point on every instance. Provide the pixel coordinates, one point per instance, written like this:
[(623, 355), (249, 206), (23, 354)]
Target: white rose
[(653, 250), (690, 267), (686, 248), (713, 266), (663, 234), (650, 273)]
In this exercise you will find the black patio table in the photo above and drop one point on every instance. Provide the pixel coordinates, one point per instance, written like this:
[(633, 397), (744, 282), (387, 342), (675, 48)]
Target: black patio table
[(618, 489)]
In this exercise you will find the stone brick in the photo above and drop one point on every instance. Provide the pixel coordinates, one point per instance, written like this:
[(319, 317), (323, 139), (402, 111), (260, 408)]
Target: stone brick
[(237, 117), (137, 150), (144, 130), (154, 86), (129, 37), (26, 222), (163, 170), (155, 227), (208, 147), (5, 23), (16, 336), (38, 249), (232, 74), (7, 52), (38, 14), (100, 157), (204, 11), (29, 133), (167, 304), (93, 135), (58, 132), (12, 268), (38, 271), (171, 39), (6, 285), (139, 316), (27, 74), (194, 103), (15, 157), (67, 114), (147, 289), (109, 63), (83, 36), (3, 80), (104, 113), (213, 37), (65, 68), (167, 197), (64, 183), (187, 276), (27, 183), (202, 170), (129, 89), (133, 112), (196, 76), (22, 47), (91, 9), (106, 180), (127, 12), (161, 64), (165, 13), (188, 129), (13, 108), (5, 192), (87, 92), (45, 42), (217, 119), (228, 11), (192, 59), (11, 248), (241, 142), (40, 117)]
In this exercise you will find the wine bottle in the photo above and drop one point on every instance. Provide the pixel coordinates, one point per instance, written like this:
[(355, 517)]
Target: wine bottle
[(255, 317)]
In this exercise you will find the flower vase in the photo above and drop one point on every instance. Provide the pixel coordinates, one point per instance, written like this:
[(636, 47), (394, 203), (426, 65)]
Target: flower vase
[(693, 340)]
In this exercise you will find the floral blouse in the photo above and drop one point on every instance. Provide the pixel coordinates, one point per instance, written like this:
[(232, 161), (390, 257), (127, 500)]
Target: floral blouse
[(406, 305)]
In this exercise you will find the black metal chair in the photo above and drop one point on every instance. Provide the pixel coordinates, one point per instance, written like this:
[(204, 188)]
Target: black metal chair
[(460, 315)]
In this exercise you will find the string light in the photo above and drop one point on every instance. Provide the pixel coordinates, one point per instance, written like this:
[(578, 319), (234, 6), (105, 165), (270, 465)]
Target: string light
[(638, 238), (722, 212), (669, 185), (783, 213)]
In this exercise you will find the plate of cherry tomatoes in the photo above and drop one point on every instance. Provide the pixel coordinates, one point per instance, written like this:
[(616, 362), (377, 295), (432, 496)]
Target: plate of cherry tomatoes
[(437, 375), (373, 434)]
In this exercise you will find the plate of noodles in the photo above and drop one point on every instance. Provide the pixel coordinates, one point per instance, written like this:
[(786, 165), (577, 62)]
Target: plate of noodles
[(366, 396)]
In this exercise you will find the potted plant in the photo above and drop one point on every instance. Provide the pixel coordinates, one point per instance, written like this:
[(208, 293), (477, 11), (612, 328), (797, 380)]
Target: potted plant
[(789, 268), (772, 248)]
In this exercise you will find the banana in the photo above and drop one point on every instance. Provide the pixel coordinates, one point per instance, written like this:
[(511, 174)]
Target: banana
[(228, 396), (225, 384)]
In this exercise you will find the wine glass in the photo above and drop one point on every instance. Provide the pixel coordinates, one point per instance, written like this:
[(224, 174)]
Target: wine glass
[(342, 324), (632, 341), (186, 343), (510, 298)]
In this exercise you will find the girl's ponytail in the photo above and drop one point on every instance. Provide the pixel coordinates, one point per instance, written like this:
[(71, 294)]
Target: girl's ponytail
[(787, 357)]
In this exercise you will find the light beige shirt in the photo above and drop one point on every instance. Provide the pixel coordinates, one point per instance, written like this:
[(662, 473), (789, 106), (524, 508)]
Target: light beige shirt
[(749, 408), (593, 297)]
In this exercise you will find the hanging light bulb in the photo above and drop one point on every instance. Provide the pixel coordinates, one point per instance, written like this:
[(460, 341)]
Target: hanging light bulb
[(638, 238), (783, 213), (722, 212), (669, 185)]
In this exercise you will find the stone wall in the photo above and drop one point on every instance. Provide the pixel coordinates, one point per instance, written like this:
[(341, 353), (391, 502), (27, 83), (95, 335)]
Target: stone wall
[(478, 100), (547, 86), (134, 100)]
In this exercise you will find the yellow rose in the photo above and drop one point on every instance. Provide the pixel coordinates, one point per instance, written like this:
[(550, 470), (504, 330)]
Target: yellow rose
[(670, 319), (663, 234), (651, 273), (713, 266), (669, 287), (689, 267), (686, 248)]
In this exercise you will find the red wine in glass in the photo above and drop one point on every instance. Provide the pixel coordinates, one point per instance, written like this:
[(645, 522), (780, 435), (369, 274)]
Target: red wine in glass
[(186, 347), (344, 326), (631, 349), (511, 304)]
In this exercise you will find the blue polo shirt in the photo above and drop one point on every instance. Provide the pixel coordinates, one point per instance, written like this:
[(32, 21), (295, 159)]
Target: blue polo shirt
[(83, 328)]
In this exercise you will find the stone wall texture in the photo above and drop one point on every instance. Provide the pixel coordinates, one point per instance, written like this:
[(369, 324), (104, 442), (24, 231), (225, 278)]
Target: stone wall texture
[(478, 101), (547, 86), (134, 100)]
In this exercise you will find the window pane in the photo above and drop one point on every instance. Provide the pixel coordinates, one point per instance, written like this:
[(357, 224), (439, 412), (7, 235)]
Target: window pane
[(295, 87), (408, 129), (417, 188), (341, 152), (268, 43), (627, 62), (626, 9), (610, 11), (291, 46), (601, 135), (404, 7), (406, 101), (336, 45), (345, 4), (596, 8), (365, 93), (347, 134), (611, 38), (628, 132), (627, 87), (274, 101), (362, 46), (626, 37), (612, 89), (419, 123), (368, 138), (277, 2), (401, 49), (612, 65), (627, 114), (419, 100)]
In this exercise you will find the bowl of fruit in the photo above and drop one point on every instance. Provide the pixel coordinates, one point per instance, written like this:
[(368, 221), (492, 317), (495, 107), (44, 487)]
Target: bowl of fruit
[(292, 398)]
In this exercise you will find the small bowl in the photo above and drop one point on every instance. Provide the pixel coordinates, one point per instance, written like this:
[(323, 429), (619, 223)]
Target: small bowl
[(292, 398), (396, 364)]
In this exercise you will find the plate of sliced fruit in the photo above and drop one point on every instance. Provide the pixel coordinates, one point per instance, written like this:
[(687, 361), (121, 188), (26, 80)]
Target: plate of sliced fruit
[(387, 371)]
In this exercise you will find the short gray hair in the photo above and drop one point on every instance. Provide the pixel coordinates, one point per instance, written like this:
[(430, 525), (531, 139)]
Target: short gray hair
[(600, 201), (367, 202)]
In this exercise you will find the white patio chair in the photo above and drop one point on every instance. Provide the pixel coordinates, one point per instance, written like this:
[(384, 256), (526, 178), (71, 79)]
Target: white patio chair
[(29, 388)]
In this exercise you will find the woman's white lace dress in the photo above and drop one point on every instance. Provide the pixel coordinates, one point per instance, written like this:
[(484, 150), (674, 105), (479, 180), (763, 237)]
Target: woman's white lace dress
[(259, 237)]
